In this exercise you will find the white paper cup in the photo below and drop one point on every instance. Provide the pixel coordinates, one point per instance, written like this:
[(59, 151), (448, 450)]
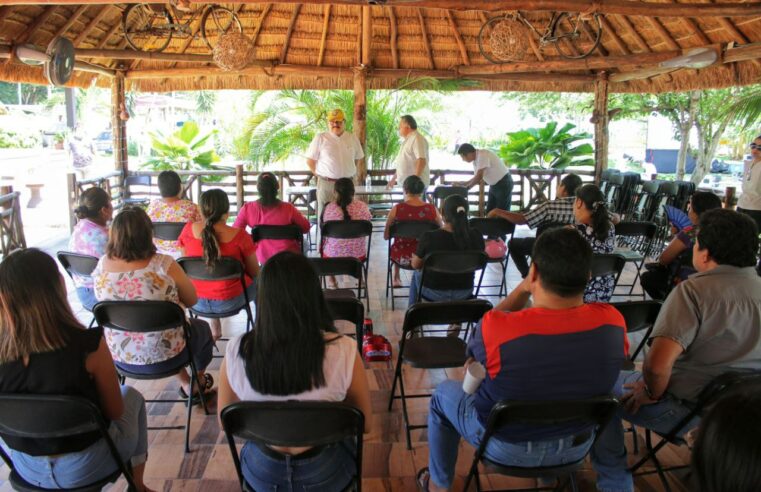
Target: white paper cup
[(473, 377)]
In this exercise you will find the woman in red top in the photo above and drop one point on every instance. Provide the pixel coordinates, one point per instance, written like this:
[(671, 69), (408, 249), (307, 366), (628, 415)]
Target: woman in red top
[(413, 208), (212, 239)]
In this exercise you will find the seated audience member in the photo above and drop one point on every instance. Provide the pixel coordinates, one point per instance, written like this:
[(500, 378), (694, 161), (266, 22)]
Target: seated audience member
[(344, 207), (727, 451), (131, 270), (709, 324), (213, 239), (270, 210), (553, 212), (593, 222), (171, 208), (675, 263), (90, 236), (454, 235), (413, 208), (44, 350), (294, 353), (526, 355)]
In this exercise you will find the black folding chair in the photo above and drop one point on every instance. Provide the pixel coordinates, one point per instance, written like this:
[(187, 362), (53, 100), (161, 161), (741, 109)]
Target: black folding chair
[(495, 228), (452, 263), (635, 242), (432, 352), (721, 386), (293, 424), (168, 231), (226, 268), (351, 310), (312, 216), (348, 229), (592, 412), (441, 193), (129, 181), (43, 417), (403, 229), (151, 317), (282, 232), (79, 265), (604, 265), (340, 266)]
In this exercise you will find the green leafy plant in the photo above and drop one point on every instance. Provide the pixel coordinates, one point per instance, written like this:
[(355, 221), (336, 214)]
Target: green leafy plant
[(186, 150), (548, 148)]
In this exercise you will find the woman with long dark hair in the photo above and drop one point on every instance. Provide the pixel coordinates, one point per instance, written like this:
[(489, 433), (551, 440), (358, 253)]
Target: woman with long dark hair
[(212, 239), (45, 350), (294, 353), (90, 236), (454, 235), (593, 222), (270, 210)]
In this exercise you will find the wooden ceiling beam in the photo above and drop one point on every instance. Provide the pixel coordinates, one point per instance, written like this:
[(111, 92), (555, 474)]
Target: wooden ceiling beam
[(289, 33), (258, 28), (621, 7), (324, 38), (638, 39), (367, 37), (693, 26), (36, 24), (70, 21), (5, 12), (663, 33), (394, 36), (426, 41), (607, 28), (458, 38), (91, 25), (104, 41)]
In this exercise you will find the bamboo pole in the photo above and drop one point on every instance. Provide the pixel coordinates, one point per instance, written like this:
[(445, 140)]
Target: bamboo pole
[(600, 119), (394, 34), (458, 38), (324, 39), (289, 33), (360, 115), (426, 41), (239, 186), (119, 126), (367, 38)]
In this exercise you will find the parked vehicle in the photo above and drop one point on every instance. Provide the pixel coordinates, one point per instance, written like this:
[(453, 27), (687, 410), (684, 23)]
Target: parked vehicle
[(104, 142)]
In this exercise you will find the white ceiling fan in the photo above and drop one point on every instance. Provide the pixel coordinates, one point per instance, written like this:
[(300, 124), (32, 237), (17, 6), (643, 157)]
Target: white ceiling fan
[(695, 59)]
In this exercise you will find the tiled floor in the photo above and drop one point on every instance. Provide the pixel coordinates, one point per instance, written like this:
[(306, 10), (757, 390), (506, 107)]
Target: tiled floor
[(388, 465)]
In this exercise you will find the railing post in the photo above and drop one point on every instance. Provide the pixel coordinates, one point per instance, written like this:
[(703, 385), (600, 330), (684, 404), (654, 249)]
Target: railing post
[(239, 185), (199, 188), (72, 197), (17, 225), (729, 197), (481, 198)]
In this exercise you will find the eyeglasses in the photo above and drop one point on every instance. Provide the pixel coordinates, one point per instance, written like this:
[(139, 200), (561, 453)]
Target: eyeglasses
[(755, 146)]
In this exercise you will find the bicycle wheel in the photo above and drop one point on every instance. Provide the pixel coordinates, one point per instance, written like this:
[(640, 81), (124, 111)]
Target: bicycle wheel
[(217, 21), (503, 39), (574, 37), (145, 29)]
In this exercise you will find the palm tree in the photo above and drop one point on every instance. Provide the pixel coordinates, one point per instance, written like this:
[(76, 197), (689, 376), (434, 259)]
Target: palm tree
[(745, 111)]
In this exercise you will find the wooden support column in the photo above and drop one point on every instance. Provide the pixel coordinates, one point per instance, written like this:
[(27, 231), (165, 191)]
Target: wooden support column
[(600, 119), (360, 116), (119, 126)]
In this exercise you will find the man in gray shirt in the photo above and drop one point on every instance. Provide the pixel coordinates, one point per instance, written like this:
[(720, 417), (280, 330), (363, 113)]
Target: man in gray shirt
[(710, 324)]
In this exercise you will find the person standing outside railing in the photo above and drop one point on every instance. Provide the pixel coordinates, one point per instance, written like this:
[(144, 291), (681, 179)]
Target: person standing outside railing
[(413, 155), (750, 201), (488, 167), (333, 155)]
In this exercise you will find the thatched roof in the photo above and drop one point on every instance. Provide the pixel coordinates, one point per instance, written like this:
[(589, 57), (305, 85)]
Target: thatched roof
[(404, 41)]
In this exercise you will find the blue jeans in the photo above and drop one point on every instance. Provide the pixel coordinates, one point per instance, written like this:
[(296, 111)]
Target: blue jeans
[(500, 194), (434, 294), (609, 452), (87, 297), (73, 470), (453, 414), (217, 306), (331, 469)]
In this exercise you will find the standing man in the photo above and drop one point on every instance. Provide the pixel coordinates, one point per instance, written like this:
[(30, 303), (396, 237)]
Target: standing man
[(489, 167), (413, 156), (750, 200), (333, 155)]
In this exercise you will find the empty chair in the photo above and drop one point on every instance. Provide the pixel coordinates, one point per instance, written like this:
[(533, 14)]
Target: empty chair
[(441, 193), (495, 229), (634, 241), (351, 310), (141, 181), (341, 266)]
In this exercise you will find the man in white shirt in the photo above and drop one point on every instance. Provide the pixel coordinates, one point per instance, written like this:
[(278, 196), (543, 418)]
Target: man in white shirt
[(413, 155), (333, 155), (750, 200), (489, 167)]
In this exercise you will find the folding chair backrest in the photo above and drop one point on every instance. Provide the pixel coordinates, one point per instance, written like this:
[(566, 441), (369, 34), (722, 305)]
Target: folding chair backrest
[(639, 315), (492, 227), (651, 187), (378, 182), (260, 232), (636, 229), (443, 192), (726, 383), (141, 180), (76, 263), (48, 416), (411, 229), (347, 229), (454, 262), (547, 226), (139, 316), (607, 264), (168, 231), (337, 266), (439, 313), (226, 268), (669, 188), (347, 309)]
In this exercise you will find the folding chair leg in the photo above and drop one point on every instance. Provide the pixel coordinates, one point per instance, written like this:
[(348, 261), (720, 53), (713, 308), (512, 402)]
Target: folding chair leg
[(189, 404), (574, 485), (397, 375), (405, 415)]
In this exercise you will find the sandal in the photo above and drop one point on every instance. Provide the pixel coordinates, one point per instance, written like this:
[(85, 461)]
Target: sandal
[(208, 384), (422, 478)]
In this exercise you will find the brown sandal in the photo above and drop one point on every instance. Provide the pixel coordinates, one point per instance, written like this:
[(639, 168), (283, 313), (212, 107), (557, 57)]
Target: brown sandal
[(422, 478)]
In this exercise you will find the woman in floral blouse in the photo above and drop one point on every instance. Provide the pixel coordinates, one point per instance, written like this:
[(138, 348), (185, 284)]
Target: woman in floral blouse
[(171, 208), (593, 222), (131, 270)]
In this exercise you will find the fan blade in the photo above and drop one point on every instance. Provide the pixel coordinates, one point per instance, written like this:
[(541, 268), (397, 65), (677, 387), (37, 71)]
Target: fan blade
[(697, 58), (644, 73)]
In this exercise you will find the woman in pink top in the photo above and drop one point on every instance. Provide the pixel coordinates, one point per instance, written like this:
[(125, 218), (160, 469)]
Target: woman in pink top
[(171, 208), (270, 210)]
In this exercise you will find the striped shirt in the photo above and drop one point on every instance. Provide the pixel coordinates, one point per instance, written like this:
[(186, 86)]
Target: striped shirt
[(558, 211)]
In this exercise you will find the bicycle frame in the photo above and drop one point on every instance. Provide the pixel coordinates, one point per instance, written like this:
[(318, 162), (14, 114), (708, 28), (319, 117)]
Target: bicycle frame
[(546, 37)]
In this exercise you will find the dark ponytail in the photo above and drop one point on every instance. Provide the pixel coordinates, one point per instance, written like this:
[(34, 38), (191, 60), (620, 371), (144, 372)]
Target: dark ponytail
[(91, 202), (214, 205), (455, 212), (267, 187), (345, 190), (593, 199)]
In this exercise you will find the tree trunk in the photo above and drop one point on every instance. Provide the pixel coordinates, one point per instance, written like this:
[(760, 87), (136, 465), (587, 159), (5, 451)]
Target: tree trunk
[(685, 125), (707, 144)]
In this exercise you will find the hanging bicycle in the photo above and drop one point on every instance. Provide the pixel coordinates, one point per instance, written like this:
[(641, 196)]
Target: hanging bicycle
[(504, 38), (151, 27)]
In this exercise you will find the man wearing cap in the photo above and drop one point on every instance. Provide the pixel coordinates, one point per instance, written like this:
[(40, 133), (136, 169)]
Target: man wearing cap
[(333, 155), (413, 155), (489, 167)]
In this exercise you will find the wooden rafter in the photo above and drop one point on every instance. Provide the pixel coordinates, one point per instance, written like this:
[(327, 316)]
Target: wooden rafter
[(324, 38), (5, 11), (426, 41), (638, 39), (693, 26), (663, 33), (91, 25), (608, 29), (394, 35), (36, 24), (367, 36), (104, 41), (458, 38), (70, 21), (258, 28), (289, 33)]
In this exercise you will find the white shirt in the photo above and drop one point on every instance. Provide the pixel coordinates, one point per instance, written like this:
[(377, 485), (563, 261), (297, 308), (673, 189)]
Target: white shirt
[(335, 155), (751, 197), (494, 168), (413, 148), (337, 367)]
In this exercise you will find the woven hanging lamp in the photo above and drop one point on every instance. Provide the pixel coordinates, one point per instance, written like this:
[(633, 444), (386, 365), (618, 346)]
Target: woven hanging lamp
[(234, 51)]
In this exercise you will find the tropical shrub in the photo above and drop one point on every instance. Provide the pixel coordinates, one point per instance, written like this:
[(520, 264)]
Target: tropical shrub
[(186, 150), (548, 148)]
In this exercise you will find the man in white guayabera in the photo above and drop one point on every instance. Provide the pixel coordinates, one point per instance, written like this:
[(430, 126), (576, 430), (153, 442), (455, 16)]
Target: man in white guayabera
[(413, 155)]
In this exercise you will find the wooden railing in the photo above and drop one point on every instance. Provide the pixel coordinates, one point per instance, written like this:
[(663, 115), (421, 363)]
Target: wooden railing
[(531, 186), (11, 227)]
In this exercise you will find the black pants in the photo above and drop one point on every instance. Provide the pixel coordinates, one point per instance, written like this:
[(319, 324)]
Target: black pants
[(500, 194), (520, 250), (753, 214)]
